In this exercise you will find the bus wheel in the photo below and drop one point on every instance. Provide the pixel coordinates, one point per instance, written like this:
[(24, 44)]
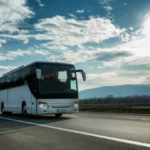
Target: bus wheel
[(58, 115), (2, 109), (9, 113), (24, 110)]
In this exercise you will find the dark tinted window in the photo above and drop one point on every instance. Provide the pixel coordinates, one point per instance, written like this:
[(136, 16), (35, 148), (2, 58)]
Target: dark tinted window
[(9, 80), (26, 74), (17, 78), (0, 83), (3, 80)]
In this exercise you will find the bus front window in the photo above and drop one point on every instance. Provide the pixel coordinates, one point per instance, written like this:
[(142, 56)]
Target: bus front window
[(57, 81)]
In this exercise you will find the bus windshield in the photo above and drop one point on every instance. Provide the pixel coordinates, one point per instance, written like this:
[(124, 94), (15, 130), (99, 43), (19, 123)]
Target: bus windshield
[(57, 81)]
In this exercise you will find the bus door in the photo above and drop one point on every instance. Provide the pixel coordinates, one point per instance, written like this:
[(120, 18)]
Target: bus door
[(8, 100), (34, 87)]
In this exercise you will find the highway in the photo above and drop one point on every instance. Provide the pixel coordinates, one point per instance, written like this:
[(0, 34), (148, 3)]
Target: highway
[(85, 131)]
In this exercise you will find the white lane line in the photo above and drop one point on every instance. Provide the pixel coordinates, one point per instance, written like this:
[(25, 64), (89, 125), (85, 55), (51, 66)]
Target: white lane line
[(84, 133)]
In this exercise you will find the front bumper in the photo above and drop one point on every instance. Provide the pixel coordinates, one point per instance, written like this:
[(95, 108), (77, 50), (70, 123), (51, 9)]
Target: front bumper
[(57, 110)]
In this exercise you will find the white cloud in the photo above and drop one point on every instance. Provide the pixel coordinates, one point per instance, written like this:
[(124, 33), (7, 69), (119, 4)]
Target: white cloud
[(140, 61), (108, 8), (124, 4), (42, 52), (2, 41), (138, 44), (4, 69), (80, 11), (113, 79), (70, 57), (99, 66), (130, 28), (125, 37), (7, 67), (14, 11), (40, 3), (71, 32), (18, 37), (135, 51), (13, 27), (10, 55), (18, 53), (90, 66), (12, 15), (88, 56), (112, 64), (54, 47), (72, 15), (105, 1)]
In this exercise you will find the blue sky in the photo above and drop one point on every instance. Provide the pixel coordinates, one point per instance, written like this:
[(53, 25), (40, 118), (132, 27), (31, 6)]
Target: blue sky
[(108, 39)]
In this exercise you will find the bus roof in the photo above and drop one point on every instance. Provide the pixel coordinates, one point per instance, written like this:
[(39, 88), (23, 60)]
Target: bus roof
[(32, 64), (47, 62)]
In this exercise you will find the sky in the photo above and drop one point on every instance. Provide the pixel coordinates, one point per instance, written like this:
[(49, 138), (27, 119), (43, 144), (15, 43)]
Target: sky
[(108, 39)]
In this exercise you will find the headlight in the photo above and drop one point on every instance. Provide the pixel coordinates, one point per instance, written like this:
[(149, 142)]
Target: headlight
[(42, 104), (76, 105)]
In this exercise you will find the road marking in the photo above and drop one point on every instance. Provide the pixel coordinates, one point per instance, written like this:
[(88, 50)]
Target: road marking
[(84, 133)]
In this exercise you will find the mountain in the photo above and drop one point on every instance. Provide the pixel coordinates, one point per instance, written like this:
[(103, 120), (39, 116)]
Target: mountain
[(121, 90)]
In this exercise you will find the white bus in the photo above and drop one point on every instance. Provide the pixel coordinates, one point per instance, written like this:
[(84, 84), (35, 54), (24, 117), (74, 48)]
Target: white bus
[(40, 88)]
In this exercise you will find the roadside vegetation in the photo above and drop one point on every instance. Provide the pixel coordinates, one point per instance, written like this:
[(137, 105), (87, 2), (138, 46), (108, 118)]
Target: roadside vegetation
[(111, 104)]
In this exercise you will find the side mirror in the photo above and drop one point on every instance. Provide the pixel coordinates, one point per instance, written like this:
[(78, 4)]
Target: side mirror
[(83, 74), (38, 73)]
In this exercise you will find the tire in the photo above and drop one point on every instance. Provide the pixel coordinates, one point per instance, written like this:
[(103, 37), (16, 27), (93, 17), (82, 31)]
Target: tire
[(24, 110), (58, 115), (2, 109), (9, 113)]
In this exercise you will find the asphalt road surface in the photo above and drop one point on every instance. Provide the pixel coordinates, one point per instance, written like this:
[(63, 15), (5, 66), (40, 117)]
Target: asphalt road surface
[(82, 131)]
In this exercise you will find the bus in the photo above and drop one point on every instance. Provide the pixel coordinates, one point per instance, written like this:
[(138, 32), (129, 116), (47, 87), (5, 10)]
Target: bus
[(40, 88)]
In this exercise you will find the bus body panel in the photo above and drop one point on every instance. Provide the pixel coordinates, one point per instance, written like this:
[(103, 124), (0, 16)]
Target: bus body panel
[(18, 95), (14, 97), (33, 105)]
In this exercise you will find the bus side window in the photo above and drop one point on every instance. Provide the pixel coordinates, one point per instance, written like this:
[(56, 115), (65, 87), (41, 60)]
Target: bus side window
[(3, 83), (17, 78), (9, 79), (26, 75)]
